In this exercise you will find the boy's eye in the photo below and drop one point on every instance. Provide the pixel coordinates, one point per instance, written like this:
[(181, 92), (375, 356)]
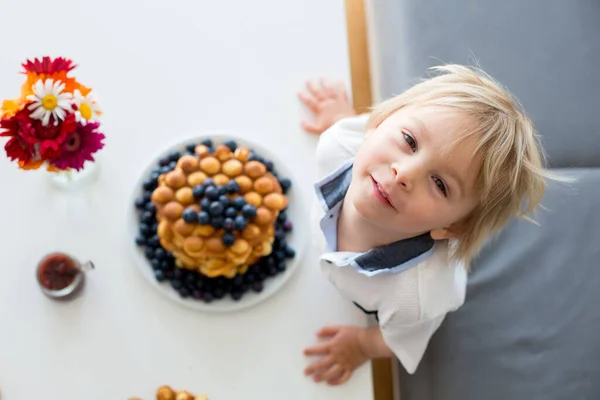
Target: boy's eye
[(441, 186), (410, 141)]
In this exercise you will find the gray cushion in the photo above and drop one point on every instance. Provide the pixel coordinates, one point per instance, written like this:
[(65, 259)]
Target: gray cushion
[(530, 326), (546, 52)]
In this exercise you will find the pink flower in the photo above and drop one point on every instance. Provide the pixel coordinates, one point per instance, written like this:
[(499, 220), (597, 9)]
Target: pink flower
[(79, 147)]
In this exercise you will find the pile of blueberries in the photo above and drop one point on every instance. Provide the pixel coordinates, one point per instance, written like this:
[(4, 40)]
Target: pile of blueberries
[(220, 212)]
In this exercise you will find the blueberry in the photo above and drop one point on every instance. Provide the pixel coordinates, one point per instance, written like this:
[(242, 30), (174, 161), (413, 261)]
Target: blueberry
[(231, 144), (238, 202), (140, 202), (203, 218), (249, 278), (198, 191), (150, 207), (165, 169), (154, 175), (231, 212), (279, 234), (190, 216), (155, 263), (281, 266), (211, 149), (240, 223), (258, 287), (269, 165), (236, 295), (183, 292), (249, 211), (205, 203), (149, 184), (164, 264), (238, 280), (279, 255), (159, 274), (211, 193), (145, 229), (272, 271), (217, 222), (178, 273), (208, 182), (216, 208), (207, 142), (232, 187), (197, 294), (154, 227), (221, 190), (289, 252), (176, 283), (160, 253), (219, 294), (169, 274), (228, 239), (288, 226), (140, 240), (208, 298), (148, 217), (149, 252), (223, 199), (255, 157), (262, 276), (282, 217), (228, 224), (286, 184), (164, 161), (191, 148), (174, 156), (270, 262)]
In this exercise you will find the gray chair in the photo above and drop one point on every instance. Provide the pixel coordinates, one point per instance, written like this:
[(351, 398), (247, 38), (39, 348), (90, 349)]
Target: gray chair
[(530, 327)]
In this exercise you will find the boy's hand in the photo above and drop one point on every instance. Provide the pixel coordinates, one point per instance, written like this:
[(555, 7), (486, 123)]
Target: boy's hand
[(328, 103), (341, 354)]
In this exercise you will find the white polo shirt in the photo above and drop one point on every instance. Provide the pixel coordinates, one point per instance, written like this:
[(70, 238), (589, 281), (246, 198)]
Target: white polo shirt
[(408, 285)]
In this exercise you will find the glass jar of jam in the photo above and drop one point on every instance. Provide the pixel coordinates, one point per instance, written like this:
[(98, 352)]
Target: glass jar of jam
[(60, 275)]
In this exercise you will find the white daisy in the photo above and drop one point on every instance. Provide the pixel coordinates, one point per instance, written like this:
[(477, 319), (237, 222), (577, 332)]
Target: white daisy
[(87, 107), (49, 100)]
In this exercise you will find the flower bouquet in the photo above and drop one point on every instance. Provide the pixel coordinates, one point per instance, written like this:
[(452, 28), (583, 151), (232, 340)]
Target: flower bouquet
[(54, 121)]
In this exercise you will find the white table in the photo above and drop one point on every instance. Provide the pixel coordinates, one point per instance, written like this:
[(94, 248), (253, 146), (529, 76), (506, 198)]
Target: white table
[(163, 70)]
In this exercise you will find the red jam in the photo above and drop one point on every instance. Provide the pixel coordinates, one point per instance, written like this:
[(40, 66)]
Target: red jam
[(57, 272)]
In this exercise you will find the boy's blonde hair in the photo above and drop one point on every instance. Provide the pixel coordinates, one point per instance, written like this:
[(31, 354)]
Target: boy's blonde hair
[(511, 180)]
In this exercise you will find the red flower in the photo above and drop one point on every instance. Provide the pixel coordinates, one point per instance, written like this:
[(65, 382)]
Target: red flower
[(17, 128), (79, 147), (49, 66), (51, 137)]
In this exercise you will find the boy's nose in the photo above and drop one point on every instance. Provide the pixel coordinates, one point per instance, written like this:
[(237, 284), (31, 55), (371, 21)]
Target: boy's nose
[(404, 176)]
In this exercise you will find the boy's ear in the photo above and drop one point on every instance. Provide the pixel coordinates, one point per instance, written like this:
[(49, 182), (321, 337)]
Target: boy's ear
[(446, 233)]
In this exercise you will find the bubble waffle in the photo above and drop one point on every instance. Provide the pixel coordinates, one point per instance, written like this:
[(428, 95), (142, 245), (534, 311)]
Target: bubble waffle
[(215, 179)]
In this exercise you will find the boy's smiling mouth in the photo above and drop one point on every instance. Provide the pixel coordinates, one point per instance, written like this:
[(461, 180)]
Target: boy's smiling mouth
[(380, 194)]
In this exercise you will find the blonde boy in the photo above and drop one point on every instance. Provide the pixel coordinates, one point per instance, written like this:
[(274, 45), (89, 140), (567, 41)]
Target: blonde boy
[(407, 196)]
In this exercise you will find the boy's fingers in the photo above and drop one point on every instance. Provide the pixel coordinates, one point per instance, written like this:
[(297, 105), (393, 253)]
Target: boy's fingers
[(320, 349), (342, 94), (332, 374), (328, 331), (328, 89), (324, 363), (315, 90), (311, 127), (308, 101), (345, 376)]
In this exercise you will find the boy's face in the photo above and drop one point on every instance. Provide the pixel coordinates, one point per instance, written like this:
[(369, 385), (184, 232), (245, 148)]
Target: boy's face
[(409, 178)]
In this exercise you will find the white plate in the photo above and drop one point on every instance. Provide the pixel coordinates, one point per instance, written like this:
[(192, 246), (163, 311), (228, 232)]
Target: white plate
[(297, 239)]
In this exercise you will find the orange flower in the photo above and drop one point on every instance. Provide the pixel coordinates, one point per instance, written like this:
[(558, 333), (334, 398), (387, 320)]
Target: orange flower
[(11, 107), (30, 165)]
